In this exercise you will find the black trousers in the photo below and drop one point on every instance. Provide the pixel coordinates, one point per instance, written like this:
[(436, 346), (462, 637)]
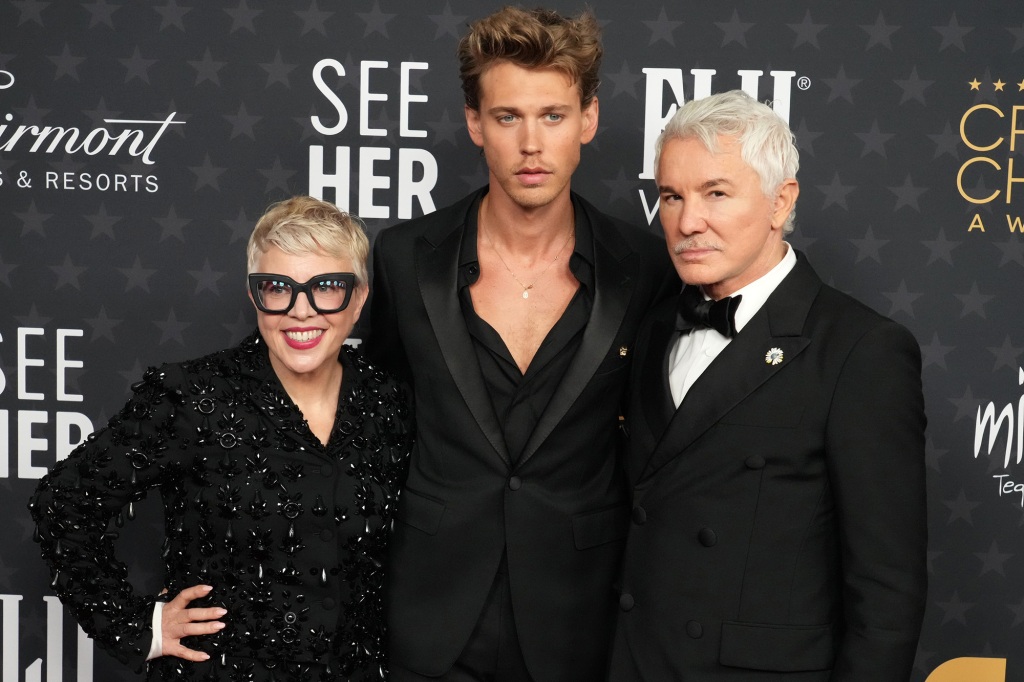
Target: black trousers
[(493, 653)]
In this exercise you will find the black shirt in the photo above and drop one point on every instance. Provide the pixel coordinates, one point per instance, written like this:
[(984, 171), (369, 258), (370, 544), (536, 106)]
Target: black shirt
[(519, 399)]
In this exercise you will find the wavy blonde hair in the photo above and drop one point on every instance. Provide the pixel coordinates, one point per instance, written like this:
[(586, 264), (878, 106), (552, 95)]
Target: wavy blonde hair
[(533, 39)]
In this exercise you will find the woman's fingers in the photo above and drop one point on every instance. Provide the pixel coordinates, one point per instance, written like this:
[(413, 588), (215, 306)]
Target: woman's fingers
[(184, 597), (180, 621)]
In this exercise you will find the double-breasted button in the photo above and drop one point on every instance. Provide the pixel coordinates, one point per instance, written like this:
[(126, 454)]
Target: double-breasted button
[(707, 537), (694, 629), (290, 617), (515, 483), (626, 602), (329, 603), (755, 462), (326, 470), (639, 515)]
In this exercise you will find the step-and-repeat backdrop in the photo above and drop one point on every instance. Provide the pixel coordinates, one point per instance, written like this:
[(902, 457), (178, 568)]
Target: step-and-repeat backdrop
[(139, 142)]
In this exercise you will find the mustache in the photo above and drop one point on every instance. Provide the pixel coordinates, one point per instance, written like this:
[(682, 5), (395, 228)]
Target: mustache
[(693, 243)]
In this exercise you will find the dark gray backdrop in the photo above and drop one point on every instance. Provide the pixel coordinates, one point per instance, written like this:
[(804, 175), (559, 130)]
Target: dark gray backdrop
[(114, 257)]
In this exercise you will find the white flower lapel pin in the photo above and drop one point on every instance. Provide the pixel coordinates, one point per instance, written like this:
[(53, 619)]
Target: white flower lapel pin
[(774, 356)]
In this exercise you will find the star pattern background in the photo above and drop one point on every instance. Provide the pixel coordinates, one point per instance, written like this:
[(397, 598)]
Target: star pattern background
[(156, 276)]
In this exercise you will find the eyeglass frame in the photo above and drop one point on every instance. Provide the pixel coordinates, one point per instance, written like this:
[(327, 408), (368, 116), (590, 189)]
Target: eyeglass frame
[(306, 287)]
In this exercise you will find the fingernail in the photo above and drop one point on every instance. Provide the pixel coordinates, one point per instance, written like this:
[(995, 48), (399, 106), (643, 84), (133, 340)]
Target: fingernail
[(218, 625), (207, 588), (204, 657), (221, 612)]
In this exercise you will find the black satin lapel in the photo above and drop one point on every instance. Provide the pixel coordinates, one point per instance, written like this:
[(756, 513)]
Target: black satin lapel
[(655, 394), (436, 272), (614, 283), (735, 373)]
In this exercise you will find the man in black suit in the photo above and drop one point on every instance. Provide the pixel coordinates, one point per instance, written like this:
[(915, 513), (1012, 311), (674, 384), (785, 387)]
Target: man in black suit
[(776, 448), (513, 314)]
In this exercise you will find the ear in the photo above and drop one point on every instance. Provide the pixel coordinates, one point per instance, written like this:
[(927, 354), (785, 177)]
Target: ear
[(473, 125), (785, 200), (590, 116), (358, 299)]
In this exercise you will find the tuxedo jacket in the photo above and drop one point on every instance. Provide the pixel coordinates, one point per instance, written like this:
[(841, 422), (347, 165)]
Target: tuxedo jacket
[(778, 528), (560, 512)]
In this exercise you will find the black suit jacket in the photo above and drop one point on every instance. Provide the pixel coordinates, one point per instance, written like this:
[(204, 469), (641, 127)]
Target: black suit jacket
[(778, 527), (560, 513)]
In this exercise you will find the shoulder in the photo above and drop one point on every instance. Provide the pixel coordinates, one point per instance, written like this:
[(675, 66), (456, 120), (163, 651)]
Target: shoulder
[(615, 233), (373, 389), (229, 366), (840, 315), (406, 233)]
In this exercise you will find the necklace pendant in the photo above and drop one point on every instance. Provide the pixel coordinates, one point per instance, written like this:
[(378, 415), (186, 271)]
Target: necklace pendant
[(526, 294)]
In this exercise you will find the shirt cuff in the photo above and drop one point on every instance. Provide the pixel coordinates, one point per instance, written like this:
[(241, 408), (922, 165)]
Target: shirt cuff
[(156, 648)]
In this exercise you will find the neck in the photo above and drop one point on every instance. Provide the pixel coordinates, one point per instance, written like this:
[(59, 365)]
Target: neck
[(310, 387), (522, 230)]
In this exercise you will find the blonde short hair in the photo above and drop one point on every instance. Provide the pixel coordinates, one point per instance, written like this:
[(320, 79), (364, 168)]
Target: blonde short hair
[(303, 225)]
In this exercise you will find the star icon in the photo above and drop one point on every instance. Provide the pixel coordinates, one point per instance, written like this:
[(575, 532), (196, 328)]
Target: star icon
[(31, 10), (207, 68), (907, 194), (172, 225), (913, 87), (313, 19), (102, 13), (999, 85), (242, 17), (960, 508), (966, 406), (835, 192), (137, 276), (902, 300), (662, 29), (625, 81), (67, 64), (137, 66), (447, 23), (975, 84), (880, 32), (841, 86), (102, 325), (807, 31), (277, 70), (207, 174), (376, 21), (242, 123), (974, 302), (869, 246), (953, 34), (206, 278), (734, 30), (171, 329), (954, 609), (67, 273), (874, 140), (1007, 355), (172, 14), (941, 248)]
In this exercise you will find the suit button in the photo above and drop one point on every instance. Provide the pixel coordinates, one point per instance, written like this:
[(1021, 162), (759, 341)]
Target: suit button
[(326, 471), (329, 603), (626, 602), (515, 483), (639, 515), (694, 629), (755, 462), (707, 537)]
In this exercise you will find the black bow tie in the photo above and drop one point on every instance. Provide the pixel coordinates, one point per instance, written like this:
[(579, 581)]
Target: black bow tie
[(694, 311)]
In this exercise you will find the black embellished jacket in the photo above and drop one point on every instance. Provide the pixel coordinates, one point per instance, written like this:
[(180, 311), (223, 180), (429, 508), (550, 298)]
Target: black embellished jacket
[(290, 533)]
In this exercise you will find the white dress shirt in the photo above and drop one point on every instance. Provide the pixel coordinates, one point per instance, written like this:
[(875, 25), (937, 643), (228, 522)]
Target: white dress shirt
[(694, 351)]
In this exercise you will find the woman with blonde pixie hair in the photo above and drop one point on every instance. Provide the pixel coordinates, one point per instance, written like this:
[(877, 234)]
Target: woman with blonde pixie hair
[(278, 462)]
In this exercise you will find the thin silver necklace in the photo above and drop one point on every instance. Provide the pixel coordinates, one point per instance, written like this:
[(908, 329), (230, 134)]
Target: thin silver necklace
[(527, 287)]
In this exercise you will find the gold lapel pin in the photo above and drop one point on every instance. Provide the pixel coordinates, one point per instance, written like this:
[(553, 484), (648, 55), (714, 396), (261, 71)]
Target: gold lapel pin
[(773, 356), (623, 351)]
